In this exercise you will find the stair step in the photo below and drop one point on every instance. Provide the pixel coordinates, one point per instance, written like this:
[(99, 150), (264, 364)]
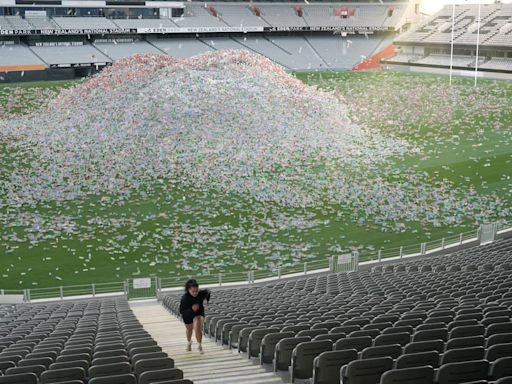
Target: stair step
[(218, 365)]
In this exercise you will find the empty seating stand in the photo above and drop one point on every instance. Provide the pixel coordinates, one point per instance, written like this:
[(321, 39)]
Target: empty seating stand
[(95, 342), (451, 314)]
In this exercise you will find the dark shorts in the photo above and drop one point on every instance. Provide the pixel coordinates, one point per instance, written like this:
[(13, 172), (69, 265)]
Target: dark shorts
[(189, 319)]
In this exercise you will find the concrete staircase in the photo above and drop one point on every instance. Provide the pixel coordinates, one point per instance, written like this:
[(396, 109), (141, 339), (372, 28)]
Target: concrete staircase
[(217, 365)]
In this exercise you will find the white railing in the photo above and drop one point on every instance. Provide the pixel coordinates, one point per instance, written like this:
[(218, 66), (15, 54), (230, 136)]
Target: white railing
[(339, 263)]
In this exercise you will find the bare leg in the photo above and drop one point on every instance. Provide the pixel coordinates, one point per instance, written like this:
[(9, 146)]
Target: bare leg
[(189, 328), (198, 330)]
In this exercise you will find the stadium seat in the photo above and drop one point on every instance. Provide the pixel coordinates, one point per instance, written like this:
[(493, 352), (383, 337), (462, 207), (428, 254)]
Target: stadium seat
[(418, 375), (463, 354), (501, 368), (114, 379), (132, 352), (59, 375), (284, 349), (392, 351), (498, 351), (109, 369), (467, 331), (179, 381), (78, 357), (365, 332), (424, 346), (113, 360), (44, 361), (465, 342), (327, 365), (334, 337), (70, 364), (304, 354), (268, 345), (393, 338), (144, 365), (36, 369), (462, 372), (150, 377), (357, 343), (243, 337), (366, 371), (255, 339), (431, 334), (420, 359)]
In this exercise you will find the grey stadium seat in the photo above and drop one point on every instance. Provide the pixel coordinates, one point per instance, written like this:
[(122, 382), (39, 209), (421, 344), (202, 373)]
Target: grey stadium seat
[(420, 375), (327, 365), (463, 354), (393, 338), (37, 369), (143, 356), (313, 332), (366, 371), (465, 342), (22, 378), (501, 368), (463, 372), (498, 350), (334, 337), (109, 369), (284, 349), (303, 356), (467, 331), (392, 351), (255, 339), (59, 375), (424, 346), (115, 379), (268, 345), (116, 359), (500, 328), (133, 352), (4, 365), (420, 359), (150, 377), (152, 365), (431, 334), (243, 337), (81, 356), (357, 343), (70, 364)]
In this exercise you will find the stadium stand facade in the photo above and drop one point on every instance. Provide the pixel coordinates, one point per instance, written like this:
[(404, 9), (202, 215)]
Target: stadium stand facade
[(83, 38), (443, 319), (429, 44)]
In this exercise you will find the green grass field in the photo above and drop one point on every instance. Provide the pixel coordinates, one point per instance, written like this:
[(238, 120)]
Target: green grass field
[(464, 140)]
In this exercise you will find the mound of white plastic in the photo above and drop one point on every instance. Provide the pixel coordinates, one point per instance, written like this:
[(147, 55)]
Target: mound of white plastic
[(226, 119)]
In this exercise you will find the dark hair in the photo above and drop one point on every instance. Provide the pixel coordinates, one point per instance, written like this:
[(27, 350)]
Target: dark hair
[(191, 283)]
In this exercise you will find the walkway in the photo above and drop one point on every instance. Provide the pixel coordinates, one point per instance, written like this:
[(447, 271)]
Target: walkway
[(217, 365)]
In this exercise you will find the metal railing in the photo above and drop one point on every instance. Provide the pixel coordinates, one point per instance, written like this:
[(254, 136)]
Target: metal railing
[(333, 264)]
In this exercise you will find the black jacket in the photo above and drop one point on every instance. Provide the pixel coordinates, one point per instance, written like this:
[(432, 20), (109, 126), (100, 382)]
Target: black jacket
[(187, 301)]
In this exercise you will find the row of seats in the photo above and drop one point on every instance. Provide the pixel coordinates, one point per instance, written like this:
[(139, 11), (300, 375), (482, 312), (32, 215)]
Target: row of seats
[(459, 61), (298, 52), (437, 312), (95, 342), (234, 15)]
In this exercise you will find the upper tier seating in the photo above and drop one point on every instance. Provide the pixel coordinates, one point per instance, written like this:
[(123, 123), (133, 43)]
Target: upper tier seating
[(495, 27), (451, 314)]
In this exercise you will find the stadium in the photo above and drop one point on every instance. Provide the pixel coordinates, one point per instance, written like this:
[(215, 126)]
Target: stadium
[(331, 182)]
